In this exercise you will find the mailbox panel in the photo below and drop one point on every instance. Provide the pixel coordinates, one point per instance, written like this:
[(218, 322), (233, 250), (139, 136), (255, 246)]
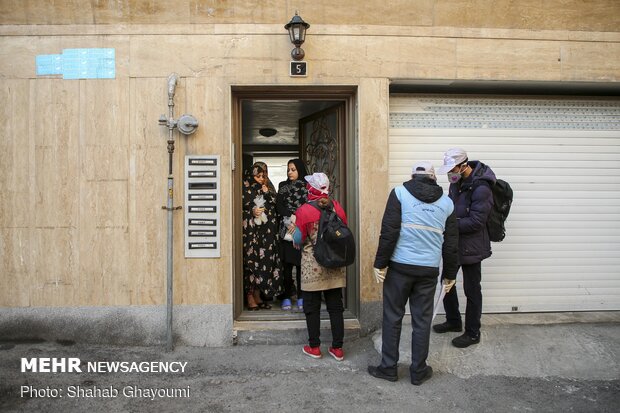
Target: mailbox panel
[(202, 206)]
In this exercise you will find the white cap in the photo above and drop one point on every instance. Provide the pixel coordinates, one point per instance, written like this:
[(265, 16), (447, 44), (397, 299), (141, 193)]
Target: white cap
[(318, 181), (423, 168), (452, 157)]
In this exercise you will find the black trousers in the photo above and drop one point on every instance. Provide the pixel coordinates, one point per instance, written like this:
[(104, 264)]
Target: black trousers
[(289, 286), (420, 291), (472, 275), (335, 308)]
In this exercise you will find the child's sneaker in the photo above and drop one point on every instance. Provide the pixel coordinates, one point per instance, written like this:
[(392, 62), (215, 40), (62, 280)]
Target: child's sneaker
[(336, 353), (300, 304), (314, 352)]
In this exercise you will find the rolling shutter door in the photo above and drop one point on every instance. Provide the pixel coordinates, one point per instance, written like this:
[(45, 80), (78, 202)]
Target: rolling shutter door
[(562, 159)]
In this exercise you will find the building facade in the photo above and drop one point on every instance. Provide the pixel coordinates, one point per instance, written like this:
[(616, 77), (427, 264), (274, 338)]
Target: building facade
[(529, 87)]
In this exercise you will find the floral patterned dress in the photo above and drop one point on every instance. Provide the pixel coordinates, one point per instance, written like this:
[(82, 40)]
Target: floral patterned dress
[(261, 261)]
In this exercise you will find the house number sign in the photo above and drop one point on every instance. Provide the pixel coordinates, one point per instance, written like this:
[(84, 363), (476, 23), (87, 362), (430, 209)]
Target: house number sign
[(299, 69)]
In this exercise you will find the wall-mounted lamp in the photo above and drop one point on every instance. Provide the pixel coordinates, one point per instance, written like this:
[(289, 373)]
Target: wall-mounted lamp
[(297, 32)]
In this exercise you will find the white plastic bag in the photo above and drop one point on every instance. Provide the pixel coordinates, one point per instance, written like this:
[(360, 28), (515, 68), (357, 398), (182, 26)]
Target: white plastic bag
[(259, 202), (286, 221)]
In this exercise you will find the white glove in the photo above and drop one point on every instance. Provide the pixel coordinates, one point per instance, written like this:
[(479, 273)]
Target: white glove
[(447, 284), (379, 275)]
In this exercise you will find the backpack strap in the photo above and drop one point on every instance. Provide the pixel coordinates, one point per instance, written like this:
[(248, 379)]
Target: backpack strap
[(314, 204), (323, 217)]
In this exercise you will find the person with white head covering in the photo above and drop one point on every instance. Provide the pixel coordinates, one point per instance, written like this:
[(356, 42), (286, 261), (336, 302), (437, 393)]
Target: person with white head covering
[(470, 189), (316, 280), (418, 230)]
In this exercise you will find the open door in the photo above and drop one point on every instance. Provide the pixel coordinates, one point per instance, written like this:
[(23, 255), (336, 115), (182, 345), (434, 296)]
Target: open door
[(326, 142), (324, 149), (322, 145)]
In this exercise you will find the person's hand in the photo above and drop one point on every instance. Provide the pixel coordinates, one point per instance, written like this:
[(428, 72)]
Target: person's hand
[(291, 227), (257, 211), (265, 188), (447, 285), (379, 275)]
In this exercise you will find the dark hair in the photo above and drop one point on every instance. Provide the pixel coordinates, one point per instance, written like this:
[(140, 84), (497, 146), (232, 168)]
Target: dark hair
[(300, 166)]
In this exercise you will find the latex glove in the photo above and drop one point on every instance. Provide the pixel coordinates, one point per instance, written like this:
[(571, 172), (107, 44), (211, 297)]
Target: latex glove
[(448, 284), (379, 275)]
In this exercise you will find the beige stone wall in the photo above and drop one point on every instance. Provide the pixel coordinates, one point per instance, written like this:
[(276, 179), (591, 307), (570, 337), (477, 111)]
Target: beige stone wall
[(589, 15), (83, 163)]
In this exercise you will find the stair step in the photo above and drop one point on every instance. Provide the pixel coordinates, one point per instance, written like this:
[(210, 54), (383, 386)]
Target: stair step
[(287, 332)]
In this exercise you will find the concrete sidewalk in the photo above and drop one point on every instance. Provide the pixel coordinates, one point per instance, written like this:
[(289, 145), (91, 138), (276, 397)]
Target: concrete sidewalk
[(518, 366), (568, 345)]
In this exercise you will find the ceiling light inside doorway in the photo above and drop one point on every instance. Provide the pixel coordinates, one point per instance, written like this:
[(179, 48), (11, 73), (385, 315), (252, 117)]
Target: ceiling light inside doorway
[(267, 132)]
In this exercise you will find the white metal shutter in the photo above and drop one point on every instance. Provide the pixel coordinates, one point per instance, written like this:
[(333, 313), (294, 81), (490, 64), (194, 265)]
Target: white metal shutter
[(562, 159)]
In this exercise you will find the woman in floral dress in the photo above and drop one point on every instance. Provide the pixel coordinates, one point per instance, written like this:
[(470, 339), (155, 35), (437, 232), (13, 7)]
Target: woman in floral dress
[(261, 261)]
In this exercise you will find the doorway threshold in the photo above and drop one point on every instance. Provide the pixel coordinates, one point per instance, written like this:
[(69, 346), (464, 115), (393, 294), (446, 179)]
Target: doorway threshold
[(287, 331)]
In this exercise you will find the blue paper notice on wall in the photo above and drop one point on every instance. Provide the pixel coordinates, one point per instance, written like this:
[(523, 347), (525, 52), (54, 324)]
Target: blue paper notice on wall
[(79, 64)]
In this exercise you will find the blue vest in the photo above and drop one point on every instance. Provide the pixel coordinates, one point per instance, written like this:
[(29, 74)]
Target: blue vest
[(421, 231)]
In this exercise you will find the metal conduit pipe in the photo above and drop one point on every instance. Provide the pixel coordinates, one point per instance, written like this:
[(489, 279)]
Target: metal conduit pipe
[(172, 84), (187, 125)]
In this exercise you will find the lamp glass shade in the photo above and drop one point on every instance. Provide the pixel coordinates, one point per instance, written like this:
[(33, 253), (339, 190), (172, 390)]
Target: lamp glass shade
[(297, 30)]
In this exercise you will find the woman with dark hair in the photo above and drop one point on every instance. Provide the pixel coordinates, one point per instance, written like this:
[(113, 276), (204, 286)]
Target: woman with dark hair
[(292, 193), (261, 261)]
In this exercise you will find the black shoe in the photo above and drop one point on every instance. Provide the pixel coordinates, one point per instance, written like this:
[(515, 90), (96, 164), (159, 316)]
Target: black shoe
[(445, 327), (426, 376), (465, 340), (379, 373)]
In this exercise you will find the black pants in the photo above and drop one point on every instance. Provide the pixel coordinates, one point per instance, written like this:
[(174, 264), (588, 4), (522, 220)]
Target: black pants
[(472, 275), (289, 286), (420, 291), (335, 308)]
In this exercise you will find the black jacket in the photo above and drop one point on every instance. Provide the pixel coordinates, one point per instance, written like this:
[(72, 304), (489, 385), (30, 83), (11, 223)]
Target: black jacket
[(425, 189), (473, 200)]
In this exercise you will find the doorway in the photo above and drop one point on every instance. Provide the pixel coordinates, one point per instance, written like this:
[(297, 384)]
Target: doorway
[(275, 124)]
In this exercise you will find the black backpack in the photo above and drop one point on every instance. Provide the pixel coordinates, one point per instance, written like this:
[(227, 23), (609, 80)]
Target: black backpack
[(502, 200), (335, 245)]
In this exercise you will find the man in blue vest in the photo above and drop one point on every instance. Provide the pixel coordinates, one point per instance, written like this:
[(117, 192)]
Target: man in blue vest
[(419, 228)]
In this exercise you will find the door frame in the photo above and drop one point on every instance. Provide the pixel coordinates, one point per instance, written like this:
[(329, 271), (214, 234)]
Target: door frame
[(348, 95)]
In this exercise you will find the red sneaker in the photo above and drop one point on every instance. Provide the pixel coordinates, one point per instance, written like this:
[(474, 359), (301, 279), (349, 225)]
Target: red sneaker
[(314, 352), (336, 353)]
